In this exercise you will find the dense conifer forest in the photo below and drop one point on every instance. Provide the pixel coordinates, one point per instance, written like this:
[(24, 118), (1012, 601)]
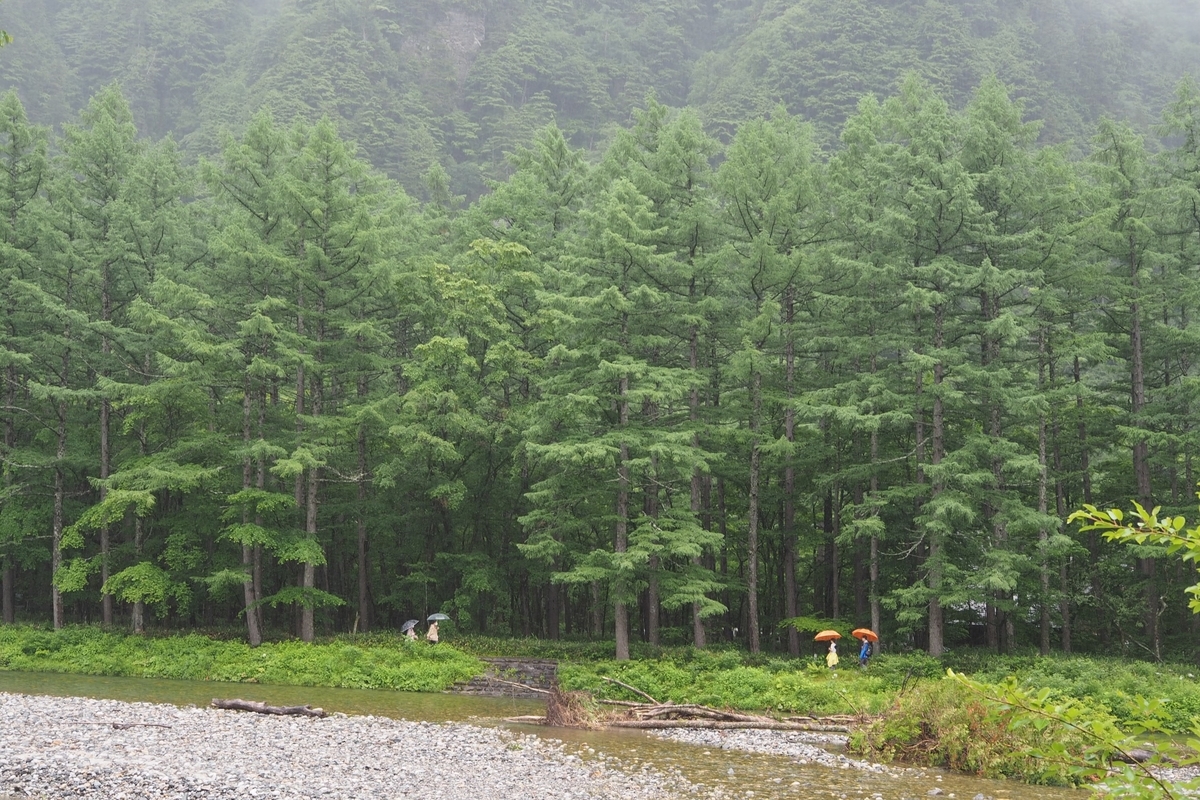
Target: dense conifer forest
[(661, 319)]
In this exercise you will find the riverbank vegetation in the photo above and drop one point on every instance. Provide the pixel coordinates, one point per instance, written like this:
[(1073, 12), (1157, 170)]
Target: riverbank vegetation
[(380, 661), (946, 724), (722, 678)]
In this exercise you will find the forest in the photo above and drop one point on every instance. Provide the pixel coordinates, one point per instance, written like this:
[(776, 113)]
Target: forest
[(307, 340)]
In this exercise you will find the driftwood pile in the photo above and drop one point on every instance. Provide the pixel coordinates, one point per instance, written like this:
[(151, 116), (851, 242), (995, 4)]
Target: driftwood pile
[(571, 709), (691, 715)]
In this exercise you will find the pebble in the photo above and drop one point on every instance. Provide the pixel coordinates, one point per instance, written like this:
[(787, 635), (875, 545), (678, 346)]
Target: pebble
[(801, 746), (51, 747)]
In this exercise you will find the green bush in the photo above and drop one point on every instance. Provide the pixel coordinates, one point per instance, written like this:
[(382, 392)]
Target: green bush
[(944, 724), (1109, 683), (725, 680)]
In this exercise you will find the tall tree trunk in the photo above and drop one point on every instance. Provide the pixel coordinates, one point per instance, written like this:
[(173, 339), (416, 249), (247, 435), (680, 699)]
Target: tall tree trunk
[(752, 513), (919, 432), (835, 553), (138, 612), (106, 600), (1043, 505), (723, 527), (137, 615), (304, 620), (934, 561), (307, 632), (260, 482), (1085, 470), (1141, 453), (253, 634), (1043, 540), (597, 612), (650, 508), (876, 609), (6, 595), (653, 634), (696, 504), (790, 608), (997, 618), (554, 601), (364, 595), (621, 529), (60, 453), (860, 565), (7, 608), (1060, 509)]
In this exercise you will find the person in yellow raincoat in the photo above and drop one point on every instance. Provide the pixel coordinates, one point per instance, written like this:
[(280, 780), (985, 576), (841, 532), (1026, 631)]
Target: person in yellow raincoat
[(831, 659)]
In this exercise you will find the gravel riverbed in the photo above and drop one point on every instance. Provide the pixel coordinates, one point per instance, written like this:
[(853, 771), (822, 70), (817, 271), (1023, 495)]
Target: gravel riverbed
[(800, 746), (67, 747)]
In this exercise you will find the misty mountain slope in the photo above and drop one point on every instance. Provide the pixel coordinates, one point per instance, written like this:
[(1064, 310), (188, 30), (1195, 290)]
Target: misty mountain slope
[(1070, 60), (465, 82)]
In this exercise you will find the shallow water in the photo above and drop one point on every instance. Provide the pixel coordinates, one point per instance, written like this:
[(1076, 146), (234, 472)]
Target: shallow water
[(398, 705), (736, 774)]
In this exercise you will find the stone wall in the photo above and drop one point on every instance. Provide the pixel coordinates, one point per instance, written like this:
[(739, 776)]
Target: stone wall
[(501, 673)]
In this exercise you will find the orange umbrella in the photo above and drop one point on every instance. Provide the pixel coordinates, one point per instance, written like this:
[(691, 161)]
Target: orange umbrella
[(825, 636), (865, 633)]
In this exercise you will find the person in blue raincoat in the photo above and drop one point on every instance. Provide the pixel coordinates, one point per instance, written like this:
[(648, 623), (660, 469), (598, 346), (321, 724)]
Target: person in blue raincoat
[(864, 652)]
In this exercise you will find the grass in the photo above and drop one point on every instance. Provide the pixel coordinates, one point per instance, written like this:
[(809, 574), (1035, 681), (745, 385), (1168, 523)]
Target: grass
[(368, 662), (721, 676)]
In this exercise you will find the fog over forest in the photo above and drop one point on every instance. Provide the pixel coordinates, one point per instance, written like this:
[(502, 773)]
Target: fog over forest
[(463, 83)]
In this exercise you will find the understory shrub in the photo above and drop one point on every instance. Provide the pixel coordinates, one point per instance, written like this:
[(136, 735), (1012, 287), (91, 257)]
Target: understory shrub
[(945, 724)]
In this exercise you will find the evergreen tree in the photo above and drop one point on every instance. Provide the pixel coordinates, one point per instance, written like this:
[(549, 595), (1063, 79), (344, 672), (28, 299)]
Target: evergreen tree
[(24, 218)]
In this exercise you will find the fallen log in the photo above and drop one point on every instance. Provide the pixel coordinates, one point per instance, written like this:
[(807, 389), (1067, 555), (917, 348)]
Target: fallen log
[(263, 708), (633, 689), (765, 724), (835, 719), (519, 685), (530, 719), (1140, 755), (694, 711)]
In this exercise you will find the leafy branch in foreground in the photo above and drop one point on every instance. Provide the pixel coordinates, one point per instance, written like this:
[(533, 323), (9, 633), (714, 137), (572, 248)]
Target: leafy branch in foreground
[(1142, 527), (1103, 753)]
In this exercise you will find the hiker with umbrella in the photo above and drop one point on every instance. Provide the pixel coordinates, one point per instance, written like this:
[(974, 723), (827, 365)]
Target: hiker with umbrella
[(431, 635), (831, 658), (868, 636), (409, 629)]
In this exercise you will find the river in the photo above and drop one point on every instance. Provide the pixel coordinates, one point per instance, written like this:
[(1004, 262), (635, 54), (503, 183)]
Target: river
[(739, 774)]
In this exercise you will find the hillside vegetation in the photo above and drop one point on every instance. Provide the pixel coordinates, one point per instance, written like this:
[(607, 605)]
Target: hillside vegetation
[(463, 83)]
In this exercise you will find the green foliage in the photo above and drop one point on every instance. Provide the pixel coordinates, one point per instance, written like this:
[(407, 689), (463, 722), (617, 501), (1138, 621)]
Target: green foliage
[(944, 723), (1086, 741), (724, 680), (1147, 528), (378, 662), (1108, 685), (667, 376)]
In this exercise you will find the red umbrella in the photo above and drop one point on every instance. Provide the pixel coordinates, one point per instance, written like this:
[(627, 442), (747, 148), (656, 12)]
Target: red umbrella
[(865, 633), (825, 636)]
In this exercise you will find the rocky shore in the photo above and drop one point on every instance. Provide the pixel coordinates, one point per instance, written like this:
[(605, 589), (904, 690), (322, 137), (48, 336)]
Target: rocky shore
[(801, 747), (59, 747)]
